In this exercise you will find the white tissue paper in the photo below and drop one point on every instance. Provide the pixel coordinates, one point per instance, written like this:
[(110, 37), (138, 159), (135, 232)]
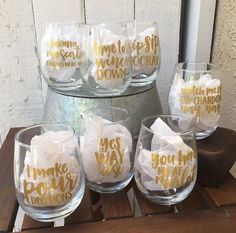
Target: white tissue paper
[(203, 105), (62, 55), (105, 150), (164, 166), (51, 173), (108, 68), (145, 59)]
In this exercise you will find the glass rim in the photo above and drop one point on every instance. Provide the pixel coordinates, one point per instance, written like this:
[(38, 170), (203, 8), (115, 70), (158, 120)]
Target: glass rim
[(184, 132), (63, 22), (118, 24), (134, 21), (178, 66), (66, 23), (145, 22), (82, 115), (16, 139)]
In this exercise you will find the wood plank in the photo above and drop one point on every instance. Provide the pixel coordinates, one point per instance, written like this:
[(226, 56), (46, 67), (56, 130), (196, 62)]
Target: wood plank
[(213, 220), (109, 11), (149, 208), (116, 205), (8, 203), (84, 212), (195, 201), (30, 224), (96, 205), (21, 94), (56, 11), (225, 194), (216, 155)]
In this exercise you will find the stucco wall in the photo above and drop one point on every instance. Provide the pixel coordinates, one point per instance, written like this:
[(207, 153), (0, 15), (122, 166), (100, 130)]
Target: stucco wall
[(224, 54)]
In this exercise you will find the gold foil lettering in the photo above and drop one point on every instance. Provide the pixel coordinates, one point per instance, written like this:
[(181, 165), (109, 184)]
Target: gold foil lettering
[(149, 46), (172, 172), (55, 189), (60, 56), (111, 60), (194, 100), (183, 159), (156, 160), (110, 157)]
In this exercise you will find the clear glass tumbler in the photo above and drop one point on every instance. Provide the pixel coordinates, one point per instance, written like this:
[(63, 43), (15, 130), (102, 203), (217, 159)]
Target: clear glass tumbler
[(106, 148), (165, 167), (109, 70), (64, 54), (196, 92), (49, 178), (145, 52)]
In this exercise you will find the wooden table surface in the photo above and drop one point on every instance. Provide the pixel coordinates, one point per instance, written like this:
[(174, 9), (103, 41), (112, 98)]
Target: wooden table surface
[(205, 210)]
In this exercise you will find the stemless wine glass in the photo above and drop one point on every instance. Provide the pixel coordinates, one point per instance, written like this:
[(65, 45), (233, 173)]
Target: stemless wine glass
[(106, 148), (109, 72), (145, 54), (196, 92), (64, 54), (49, 178), (166, 159)]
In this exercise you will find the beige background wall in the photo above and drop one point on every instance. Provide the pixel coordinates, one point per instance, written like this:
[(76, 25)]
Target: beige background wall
[(21, 87), (224, 54)]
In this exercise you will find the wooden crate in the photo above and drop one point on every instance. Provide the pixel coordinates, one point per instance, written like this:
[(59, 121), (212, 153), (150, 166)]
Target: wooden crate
[(205, 210)]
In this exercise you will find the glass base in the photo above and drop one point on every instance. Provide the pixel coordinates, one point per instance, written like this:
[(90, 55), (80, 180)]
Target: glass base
[(205, 134), (165, 197), (64, 86), (142, 80), (168, 201), (109, 187), (102, 92), (140, 83)]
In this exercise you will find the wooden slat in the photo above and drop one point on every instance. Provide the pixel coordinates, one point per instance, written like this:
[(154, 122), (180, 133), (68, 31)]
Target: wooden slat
[(216, 155), (116, 205), (149, 208), (8, 203), (194, 201), (225, 194), (111, 11), (30, 224), (205, 197), (214, 220), (20, 87), (84, 212), (96, 205)]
